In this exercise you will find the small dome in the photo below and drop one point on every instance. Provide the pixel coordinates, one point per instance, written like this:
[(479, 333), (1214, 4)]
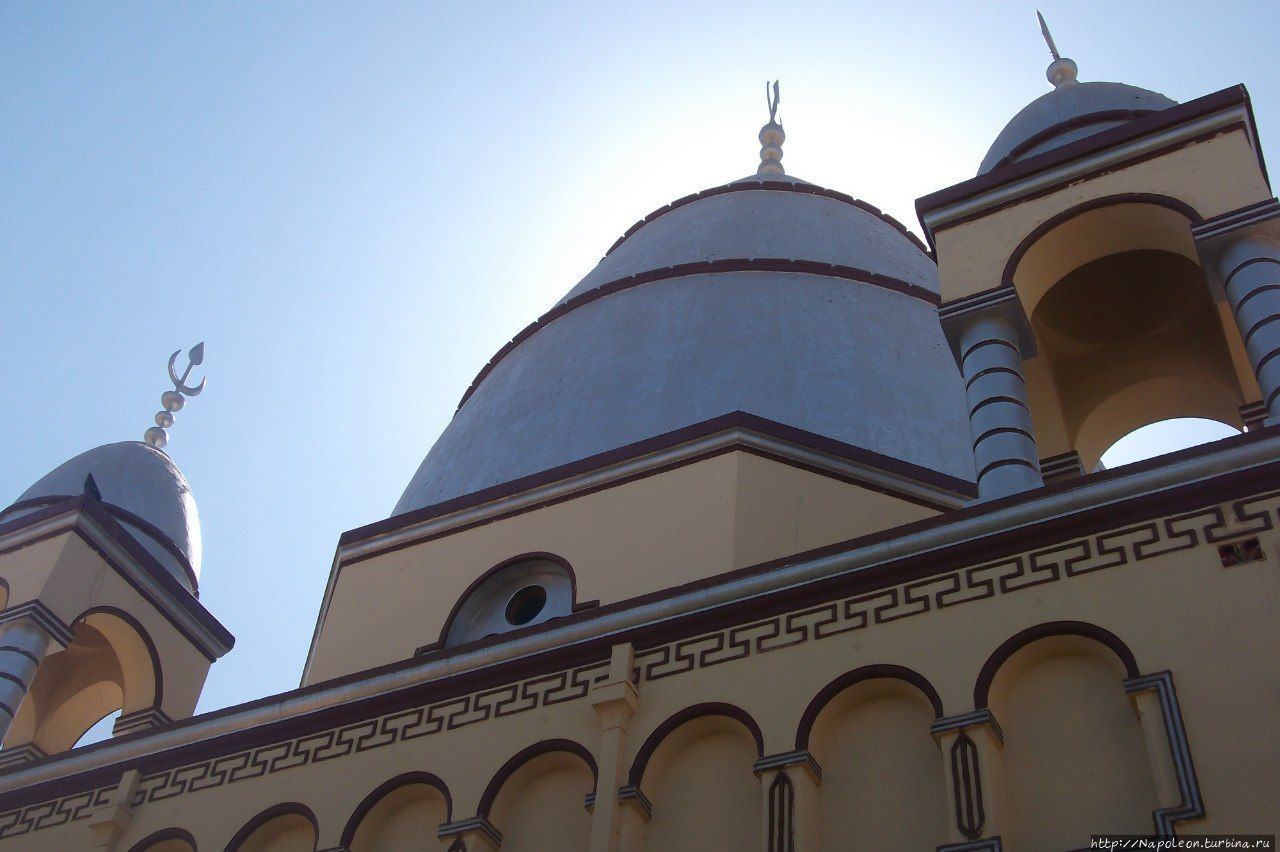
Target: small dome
[(769, 296), (143, 489), (1070, 112)]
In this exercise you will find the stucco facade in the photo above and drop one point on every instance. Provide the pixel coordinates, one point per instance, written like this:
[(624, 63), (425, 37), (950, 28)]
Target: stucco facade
[(761, 539)]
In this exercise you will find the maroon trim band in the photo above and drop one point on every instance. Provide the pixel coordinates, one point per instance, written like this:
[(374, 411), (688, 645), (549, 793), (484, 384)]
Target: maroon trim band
[(706, 267), (1067, 126), (522, 757), (849, 679), (775, 186), (982, 689), (688, 714), (380, 792)]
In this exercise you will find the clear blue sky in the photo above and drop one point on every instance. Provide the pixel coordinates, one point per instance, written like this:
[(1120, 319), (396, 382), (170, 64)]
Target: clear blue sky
[(356, 205)]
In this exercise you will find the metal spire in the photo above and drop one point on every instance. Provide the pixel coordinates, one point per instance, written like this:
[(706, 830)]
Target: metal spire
[(1044, 31), (1061, 72), (173, 400), (771, 136)]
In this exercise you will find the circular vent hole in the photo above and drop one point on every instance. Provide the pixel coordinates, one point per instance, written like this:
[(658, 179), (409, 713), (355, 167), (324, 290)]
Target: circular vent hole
[(526, 604)]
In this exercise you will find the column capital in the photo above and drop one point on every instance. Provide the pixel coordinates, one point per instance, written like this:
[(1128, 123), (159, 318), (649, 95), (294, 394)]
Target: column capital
[(787, 759), (1002, 303), (473, 830), (1215, 237), (633, 797), (43, 618), (983, 718)]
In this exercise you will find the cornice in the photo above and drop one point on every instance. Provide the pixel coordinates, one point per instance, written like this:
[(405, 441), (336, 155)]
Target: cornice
[(1137, 140), (342, 716), (93, 523)]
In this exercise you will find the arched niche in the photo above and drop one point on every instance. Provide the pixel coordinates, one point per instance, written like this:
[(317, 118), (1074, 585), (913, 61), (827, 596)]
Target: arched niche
[(538, 798), (288, 827), (520, 592), (1075, 761), (696, 769), (110, 665), (882, 772), (166, 840), (1127, 330), (398, 814)]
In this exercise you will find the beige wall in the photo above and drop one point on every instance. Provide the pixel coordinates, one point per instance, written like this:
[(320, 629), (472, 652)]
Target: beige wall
[(1180, 611), (648, 535)]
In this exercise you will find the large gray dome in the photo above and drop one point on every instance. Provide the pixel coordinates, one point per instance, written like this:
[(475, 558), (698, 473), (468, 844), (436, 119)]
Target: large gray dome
[(772, 297), (145, 491), (1068, 113)]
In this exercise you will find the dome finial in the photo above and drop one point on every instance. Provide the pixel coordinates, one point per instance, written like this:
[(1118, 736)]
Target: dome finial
[(1061, 72), (173, 400), (771, 136)]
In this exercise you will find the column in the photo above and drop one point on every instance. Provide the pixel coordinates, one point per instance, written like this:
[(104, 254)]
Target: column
[(971, 747), (29, 632), (615, 701), (1250, 270), (989, 336)]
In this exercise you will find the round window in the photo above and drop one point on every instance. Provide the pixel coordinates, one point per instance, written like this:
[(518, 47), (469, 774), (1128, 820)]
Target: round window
[(525, 605)]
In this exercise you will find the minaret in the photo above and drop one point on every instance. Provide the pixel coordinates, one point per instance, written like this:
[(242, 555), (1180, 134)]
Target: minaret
[(771, 137), (99, 572)]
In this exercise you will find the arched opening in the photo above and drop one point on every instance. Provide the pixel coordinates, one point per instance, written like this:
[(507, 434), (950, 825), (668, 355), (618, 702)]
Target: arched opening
[(109, 668), (281, 828), (696, 769), (881, 770), (167, 840), (398, 814), (1127, 330), (520, 592), (538, 799), (1075, 758), (1165, 436)]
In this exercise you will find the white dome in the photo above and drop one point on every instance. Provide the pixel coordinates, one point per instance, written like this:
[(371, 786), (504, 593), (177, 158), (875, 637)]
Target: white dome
[(771, 297), (143, 489), (1069, 113)]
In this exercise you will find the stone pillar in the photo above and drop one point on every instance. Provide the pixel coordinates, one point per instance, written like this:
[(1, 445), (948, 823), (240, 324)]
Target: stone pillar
[(971, 747), (1240, 252), (27, 633), (615, 701), (1250, 270), (789, 783), (990, 336)]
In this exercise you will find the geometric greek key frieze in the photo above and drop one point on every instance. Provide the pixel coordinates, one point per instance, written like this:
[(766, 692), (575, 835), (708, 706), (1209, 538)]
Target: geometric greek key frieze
[(1007, 575)]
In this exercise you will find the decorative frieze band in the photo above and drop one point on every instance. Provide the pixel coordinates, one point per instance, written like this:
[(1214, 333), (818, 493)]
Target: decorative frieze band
[(1007, 575)]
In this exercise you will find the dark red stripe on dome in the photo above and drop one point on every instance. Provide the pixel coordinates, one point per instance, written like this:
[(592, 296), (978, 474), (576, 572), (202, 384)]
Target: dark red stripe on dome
[(1067, 126), (776, 186), (682, 270)]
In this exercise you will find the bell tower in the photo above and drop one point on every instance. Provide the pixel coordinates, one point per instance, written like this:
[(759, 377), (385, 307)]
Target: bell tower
[(1112, 265)]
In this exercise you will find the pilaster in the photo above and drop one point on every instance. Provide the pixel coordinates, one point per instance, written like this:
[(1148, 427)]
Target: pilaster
[(972, 751), (615, 701)]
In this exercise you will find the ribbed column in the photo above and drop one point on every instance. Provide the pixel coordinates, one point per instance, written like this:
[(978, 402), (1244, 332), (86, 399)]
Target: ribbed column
[(23, 644), (1004, 449), (1250, 270)]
